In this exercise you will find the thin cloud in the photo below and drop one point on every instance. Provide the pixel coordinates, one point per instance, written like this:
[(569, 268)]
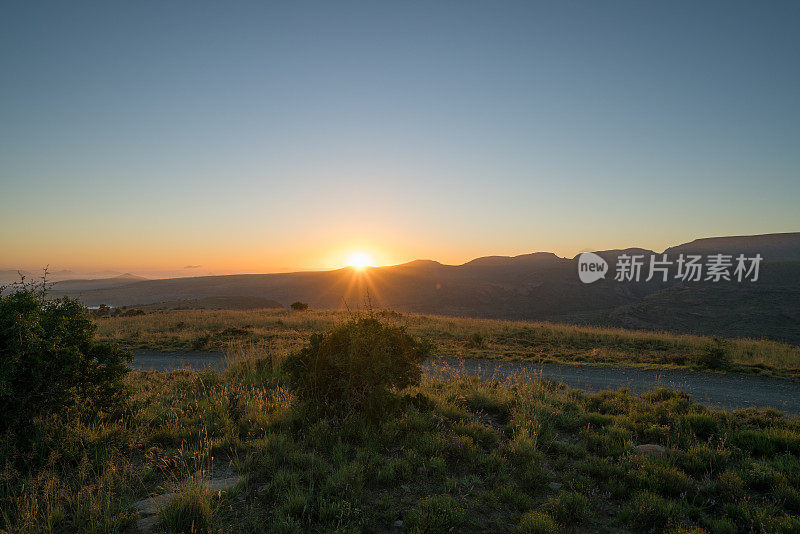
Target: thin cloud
[(192, 266)]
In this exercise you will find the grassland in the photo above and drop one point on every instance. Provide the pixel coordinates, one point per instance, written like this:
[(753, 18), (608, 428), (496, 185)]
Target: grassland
[(281, 332), (455, 455)]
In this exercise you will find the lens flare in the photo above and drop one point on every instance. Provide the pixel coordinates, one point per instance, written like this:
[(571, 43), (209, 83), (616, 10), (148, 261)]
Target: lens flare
[(359, 260)]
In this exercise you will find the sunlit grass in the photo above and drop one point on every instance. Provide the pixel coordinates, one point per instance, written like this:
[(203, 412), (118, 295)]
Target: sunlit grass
[(456, 453), (282, 331)]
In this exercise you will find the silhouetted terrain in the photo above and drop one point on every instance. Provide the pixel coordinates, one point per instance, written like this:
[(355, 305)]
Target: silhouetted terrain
[(539, 286)]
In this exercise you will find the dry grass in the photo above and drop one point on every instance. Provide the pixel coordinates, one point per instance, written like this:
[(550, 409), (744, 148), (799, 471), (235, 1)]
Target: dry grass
[(452, 454), (455, 454), (279, 332)]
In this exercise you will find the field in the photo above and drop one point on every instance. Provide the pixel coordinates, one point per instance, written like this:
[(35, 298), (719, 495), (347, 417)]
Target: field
[(449, 456), (280, 332), (240, 450)]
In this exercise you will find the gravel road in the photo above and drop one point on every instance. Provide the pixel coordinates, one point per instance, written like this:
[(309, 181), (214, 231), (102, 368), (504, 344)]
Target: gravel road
[(727, 391), (156, 360)]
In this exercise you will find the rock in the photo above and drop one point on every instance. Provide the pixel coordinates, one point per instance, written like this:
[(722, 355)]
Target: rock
[(223, 484), (398, 524), (147, 524), (151, 505), (555, 486), (651, 449)]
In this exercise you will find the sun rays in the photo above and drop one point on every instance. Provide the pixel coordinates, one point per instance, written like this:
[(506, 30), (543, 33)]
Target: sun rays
[(359, 260)]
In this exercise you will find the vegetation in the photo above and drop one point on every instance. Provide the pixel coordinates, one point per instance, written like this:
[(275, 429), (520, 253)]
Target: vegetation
[(283, 332), (298, 306), (50, 363), (353, 366), (452, 454)]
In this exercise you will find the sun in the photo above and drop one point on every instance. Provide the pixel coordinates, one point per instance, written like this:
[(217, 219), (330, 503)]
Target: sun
[(359, 260)]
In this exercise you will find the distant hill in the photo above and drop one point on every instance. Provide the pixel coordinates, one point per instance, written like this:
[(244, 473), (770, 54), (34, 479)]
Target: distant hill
[(538, 286), (9, 276), (97, 283)]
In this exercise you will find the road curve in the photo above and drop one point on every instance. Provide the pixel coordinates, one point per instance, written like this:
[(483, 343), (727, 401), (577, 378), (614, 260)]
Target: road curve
[(728, 391)]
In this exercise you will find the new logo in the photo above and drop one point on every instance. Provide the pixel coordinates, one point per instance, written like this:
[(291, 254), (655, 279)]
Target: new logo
[(591, 267)]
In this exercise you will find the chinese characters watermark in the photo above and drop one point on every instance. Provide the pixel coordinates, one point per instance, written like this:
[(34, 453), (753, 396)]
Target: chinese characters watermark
[(686, 268)]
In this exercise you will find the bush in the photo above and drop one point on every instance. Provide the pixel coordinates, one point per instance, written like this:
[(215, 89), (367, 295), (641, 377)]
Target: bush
[(476, 341), (298, 306), (49, 361), (715, 356), (353, 365)]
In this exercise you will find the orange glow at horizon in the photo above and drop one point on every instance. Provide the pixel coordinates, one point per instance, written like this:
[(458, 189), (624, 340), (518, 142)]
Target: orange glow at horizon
[(359, 260)]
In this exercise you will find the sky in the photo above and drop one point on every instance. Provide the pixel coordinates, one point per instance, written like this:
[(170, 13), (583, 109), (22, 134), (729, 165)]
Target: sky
[(191, 138)]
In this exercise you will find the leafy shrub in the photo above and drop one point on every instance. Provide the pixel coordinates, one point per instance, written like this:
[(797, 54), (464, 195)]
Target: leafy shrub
[(49, 361), (298, 306), (476, 341), (353, 365), (715, 356), (102, 311), (201, 341), (437, 513)]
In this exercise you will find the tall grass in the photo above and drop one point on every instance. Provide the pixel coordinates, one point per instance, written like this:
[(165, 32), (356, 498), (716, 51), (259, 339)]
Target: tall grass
[(455, 454)]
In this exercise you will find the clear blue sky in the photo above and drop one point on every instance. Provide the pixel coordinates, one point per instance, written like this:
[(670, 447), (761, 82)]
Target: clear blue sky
[(271, 136)]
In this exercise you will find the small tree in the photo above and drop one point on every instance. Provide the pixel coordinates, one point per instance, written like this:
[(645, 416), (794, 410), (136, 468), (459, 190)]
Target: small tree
[(353, 366), (299, 306), (49, 361), (716, 355)]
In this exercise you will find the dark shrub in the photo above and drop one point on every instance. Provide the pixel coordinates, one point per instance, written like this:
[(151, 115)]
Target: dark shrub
[(102, 311), (49, 361), (476, 341), (715, 356), (353, 365), (299, 306)]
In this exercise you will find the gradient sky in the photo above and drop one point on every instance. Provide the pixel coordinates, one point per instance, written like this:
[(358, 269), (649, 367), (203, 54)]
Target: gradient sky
[(254, 137)]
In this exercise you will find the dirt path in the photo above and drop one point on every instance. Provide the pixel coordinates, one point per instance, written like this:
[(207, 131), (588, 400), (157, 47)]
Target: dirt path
[(717, 390)]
